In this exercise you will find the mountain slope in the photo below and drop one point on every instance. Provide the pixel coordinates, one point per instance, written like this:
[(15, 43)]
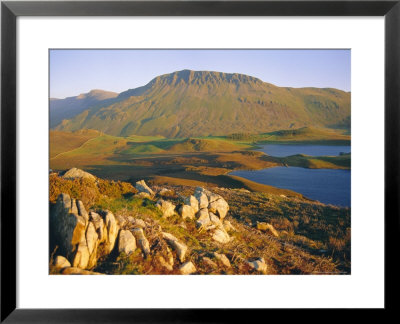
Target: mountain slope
[(69, 107), (202, 103)]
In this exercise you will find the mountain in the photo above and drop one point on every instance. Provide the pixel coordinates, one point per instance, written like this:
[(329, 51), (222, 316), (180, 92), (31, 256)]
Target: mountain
[(69, 107), (203, 103)]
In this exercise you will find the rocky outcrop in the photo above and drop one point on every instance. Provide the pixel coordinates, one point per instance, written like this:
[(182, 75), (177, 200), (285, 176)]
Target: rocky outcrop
[(192, 202), (179, 247), (75, 173), (187, 268), (141, 186), (186, 211), (214, 202), (126, 242), (60, 262), (166, 207), (78, 234), (142, 240)]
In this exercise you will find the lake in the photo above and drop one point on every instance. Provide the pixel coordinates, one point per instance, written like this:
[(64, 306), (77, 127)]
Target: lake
[(282, 150), (325, 185)]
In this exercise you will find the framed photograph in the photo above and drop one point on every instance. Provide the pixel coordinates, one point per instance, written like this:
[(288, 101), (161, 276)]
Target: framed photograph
[(163, 158)]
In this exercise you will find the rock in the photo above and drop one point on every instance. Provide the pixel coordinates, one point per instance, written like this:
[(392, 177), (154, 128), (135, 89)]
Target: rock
[(139, 223), (126, 242), (219, 207), (258, 265), (82, 211), (67, 227), (81, 259), (187, 268), (215, 220), (186, 211), (142, 241), (193, 202), (166, 207), (203, 218), (223, 259), (166, 192), (143, 195), (112, 231), (210, 263), (77, 271), (99, 225), (92, 242), (75, 173), (201, 197), (179, 247), (228, 226), (165, 264), (221, 236), (268, 228), (60, 262), (141, 186), (167, 260)]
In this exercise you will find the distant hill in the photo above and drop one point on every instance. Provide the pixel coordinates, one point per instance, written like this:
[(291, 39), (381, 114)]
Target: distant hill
[(69, 107), (203, 103)]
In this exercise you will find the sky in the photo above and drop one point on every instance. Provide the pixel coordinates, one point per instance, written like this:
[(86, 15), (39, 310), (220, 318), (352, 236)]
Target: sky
[(73, 72)]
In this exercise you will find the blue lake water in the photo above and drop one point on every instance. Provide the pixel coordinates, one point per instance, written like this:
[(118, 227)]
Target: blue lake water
[(281, 150), (325, 185)]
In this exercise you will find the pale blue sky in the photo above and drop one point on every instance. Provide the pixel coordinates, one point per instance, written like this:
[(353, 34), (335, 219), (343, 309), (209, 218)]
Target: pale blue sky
[(73, 72)]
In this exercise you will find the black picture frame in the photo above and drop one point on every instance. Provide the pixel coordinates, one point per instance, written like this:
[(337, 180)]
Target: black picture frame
[(10, 10)]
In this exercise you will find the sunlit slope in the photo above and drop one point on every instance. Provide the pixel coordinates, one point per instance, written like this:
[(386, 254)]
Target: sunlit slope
[(201, 103)]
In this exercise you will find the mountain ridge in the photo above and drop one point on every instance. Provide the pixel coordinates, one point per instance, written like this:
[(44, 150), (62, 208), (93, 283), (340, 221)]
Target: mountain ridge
[(206, 103)]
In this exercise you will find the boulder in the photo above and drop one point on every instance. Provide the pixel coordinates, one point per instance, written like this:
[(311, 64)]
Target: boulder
[(187, 268), (60, 262), (210, 263), (92, 242), (258, 265), (77, 271), (203, 218), (141, 186), (81, 258), (201, 197), (268, 228), (99, 225), (126, 242), (142, 241), (223, 259), (179, 247), (219, 207), (186, 211), (166, 207), (215, 220), (221, 236), (112, 230), (75, 173), (192, 202)]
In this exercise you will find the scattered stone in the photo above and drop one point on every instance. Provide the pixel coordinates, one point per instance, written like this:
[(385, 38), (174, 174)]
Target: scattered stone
[(127, 242), (221, 236), (223, 259), (201, 197), (141, 186), (142, 241), (203, 218), (193, 202), (219, 207), (166, 207), (258, 265), (187, 211), (210, 263), (75, 173), (228, 226), (187, 268), (60, 262), (215, 220), (78, 271), (179, 247), (268, 228)]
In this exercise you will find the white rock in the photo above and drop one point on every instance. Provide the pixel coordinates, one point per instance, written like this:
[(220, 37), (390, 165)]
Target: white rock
[(228, 226), (60, 262), (126, 242), (179, 247), (141, 186), (166, 207), (187, 268), (193, 202), (219, 207), (201, 198), (75, 173), (258, 265), (223, 259), (112, 231), (142, 241), (203, 218), (215, 220), (221, 236), (187, 211)]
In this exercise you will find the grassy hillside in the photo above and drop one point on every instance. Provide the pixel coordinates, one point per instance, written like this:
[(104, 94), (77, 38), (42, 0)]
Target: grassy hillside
[(201, 103)]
